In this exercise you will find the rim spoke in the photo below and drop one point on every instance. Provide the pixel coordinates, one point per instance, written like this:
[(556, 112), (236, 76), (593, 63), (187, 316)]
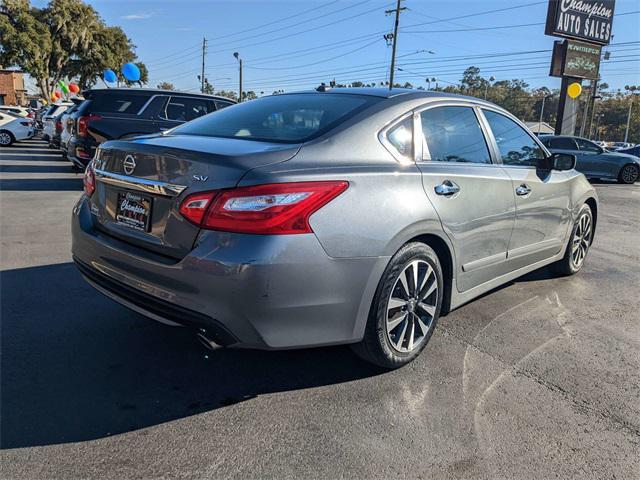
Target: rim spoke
[(394, 321), (414, 278), (422, 325), (396, 302), (430, 309), (405, 286), (401, 337), (427, 274), (425, 293), (412, 334)]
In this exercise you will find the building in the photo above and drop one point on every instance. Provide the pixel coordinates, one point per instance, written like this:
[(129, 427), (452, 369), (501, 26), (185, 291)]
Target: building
[(12, 88), (540, 128)]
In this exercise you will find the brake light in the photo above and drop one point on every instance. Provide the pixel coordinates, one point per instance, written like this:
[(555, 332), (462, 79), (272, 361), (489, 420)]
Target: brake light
[(58, 125), (89, 180), (25, 124), (195, 206), (83, 123), (273, 209)]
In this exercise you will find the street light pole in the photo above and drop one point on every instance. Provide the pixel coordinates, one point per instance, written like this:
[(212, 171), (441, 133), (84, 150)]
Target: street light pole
[(237, 55)]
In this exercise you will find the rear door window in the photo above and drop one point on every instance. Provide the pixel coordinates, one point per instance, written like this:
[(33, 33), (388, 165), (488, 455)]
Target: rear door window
[(453, 134), (185, 109), (587, 146), (562, 144), (401, 139), (222, 104), (118, 102)]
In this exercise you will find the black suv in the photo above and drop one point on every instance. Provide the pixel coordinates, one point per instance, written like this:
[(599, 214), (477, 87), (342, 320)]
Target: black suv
[(113, 113)]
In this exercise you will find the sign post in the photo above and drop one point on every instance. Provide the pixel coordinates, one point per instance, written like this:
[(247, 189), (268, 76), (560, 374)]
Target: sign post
[(586, 25)]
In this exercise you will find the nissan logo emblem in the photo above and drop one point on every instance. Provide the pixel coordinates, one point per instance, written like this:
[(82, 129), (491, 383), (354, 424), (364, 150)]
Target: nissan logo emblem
[(129, 164)]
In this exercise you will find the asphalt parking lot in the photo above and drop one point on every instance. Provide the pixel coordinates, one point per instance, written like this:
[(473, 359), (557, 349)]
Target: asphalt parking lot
[(538, 379)]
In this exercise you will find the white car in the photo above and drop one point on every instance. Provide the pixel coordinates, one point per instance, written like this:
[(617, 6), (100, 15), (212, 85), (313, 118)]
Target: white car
[(20, 111), (49, 122), (14, 128)]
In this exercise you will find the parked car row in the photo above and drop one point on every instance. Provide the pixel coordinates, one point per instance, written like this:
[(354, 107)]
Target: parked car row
[(78, 127), (595, 161), (14, 127)]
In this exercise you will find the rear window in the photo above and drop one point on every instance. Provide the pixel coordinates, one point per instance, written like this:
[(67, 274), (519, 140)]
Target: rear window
[(563, 143), (119, 103), (280, 118)]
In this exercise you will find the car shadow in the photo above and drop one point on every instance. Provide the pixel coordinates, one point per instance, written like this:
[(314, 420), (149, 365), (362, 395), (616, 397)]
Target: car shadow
[(42, 184), (77, 366)]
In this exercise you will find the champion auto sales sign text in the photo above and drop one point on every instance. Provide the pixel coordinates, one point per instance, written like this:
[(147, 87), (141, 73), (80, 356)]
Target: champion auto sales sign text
[(587, 20)]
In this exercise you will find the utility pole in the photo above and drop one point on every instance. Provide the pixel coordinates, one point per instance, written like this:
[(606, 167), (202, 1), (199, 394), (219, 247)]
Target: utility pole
[(631, 89), (541, 114), (204, 51), (395, 40), (237, 55)]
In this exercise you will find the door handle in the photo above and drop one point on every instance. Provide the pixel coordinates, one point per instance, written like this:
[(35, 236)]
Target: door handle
[(523, 190), (447, 188)]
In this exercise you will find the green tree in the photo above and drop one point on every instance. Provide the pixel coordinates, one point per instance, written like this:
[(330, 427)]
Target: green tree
[(65, 39), (227, 94), (208, 88)]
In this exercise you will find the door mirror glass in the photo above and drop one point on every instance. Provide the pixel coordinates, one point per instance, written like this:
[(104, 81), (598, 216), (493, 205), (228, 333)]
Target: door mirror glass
[(563, 161)]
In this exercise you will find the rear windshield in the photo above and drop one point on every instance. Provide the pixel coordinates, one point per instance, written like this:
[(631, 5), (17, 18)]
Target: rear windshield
[(280, 118), (119, 102)]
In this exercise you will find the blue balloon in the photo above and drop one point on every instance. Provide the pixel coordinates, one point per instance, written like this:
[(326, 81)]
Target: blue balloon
[(131, 72), (110, 76)]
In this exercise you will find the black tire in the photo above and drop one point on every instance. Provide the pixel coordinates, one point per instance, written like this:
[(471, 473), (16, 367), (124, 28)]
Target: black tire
[(629, 174), (568, 264), (376, 346), (6, 138)]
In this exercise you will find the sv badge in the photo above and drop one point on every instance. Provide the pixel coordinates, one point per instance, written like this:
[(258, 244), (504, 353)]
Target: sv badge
[(200, 178)]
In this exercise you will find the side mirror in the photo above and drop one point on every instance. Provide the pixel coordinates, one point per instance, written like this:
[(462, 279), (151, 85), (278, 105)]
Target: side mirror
[(563, 161)]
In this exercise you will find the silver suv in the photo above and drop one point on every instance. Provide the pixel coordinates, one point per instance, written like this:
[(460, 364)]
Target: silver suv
[(348, 216)]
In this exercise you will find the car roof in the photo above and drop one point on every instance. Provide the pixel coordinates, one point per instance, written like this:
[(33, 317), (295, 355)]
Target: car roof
[(569, 136), (385, 92), (157, 91)]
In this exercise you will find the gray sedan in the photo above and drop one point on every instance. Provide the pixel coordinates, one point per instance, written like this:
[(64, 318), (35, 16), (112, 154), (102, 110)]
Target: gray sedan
[(348, 216), (594, 161)]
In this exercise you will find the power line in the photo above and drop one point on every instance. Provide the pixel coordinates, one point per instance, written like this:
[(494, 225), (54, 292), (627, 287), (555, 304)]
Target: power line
[(306, 30), (471, 29), (377, 40), (304, 12)]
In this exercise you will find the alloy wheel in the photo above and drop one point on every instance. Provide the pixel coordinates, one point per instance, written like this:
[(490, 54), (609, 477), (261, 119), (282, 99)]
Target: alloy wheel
[(5, 138), (581, 240), (412, 306), (629, 174)]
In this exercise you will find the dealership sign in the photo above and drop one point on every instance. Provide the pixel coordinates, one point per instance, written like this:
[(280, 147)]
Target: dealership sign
[(587, 20)]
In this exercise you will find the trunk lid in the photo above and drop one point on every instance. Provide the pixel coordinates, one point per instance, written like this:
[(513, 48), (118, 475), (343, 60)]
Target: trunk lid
[(140, 184)]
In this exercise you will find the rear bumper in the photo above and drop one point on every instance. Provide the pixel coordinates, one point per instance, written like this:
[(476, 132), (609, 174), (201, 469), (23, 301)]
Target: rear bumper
[(76, 144), (254, 291)]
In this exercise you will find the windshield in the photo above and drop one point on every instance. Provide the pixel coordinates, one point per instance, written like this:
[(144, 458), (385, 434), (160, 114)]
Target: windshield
[(291, 118)]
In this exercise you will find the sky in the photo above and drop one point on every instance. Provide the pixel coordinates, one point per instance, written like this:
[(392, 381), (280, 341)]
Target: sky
[(297, 44)]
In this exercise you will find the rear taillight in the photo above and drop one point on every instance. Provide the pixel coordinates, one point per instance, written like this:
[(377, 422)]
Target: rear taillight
[(30, 115), (25, 124), (58, 126), (83, 123), (89, 180), (273, 209)]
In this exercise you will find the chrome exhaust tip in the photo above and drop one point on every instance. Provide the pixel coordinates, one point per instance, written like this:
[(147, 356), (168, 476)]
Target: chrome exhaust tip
[(206, 341)]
